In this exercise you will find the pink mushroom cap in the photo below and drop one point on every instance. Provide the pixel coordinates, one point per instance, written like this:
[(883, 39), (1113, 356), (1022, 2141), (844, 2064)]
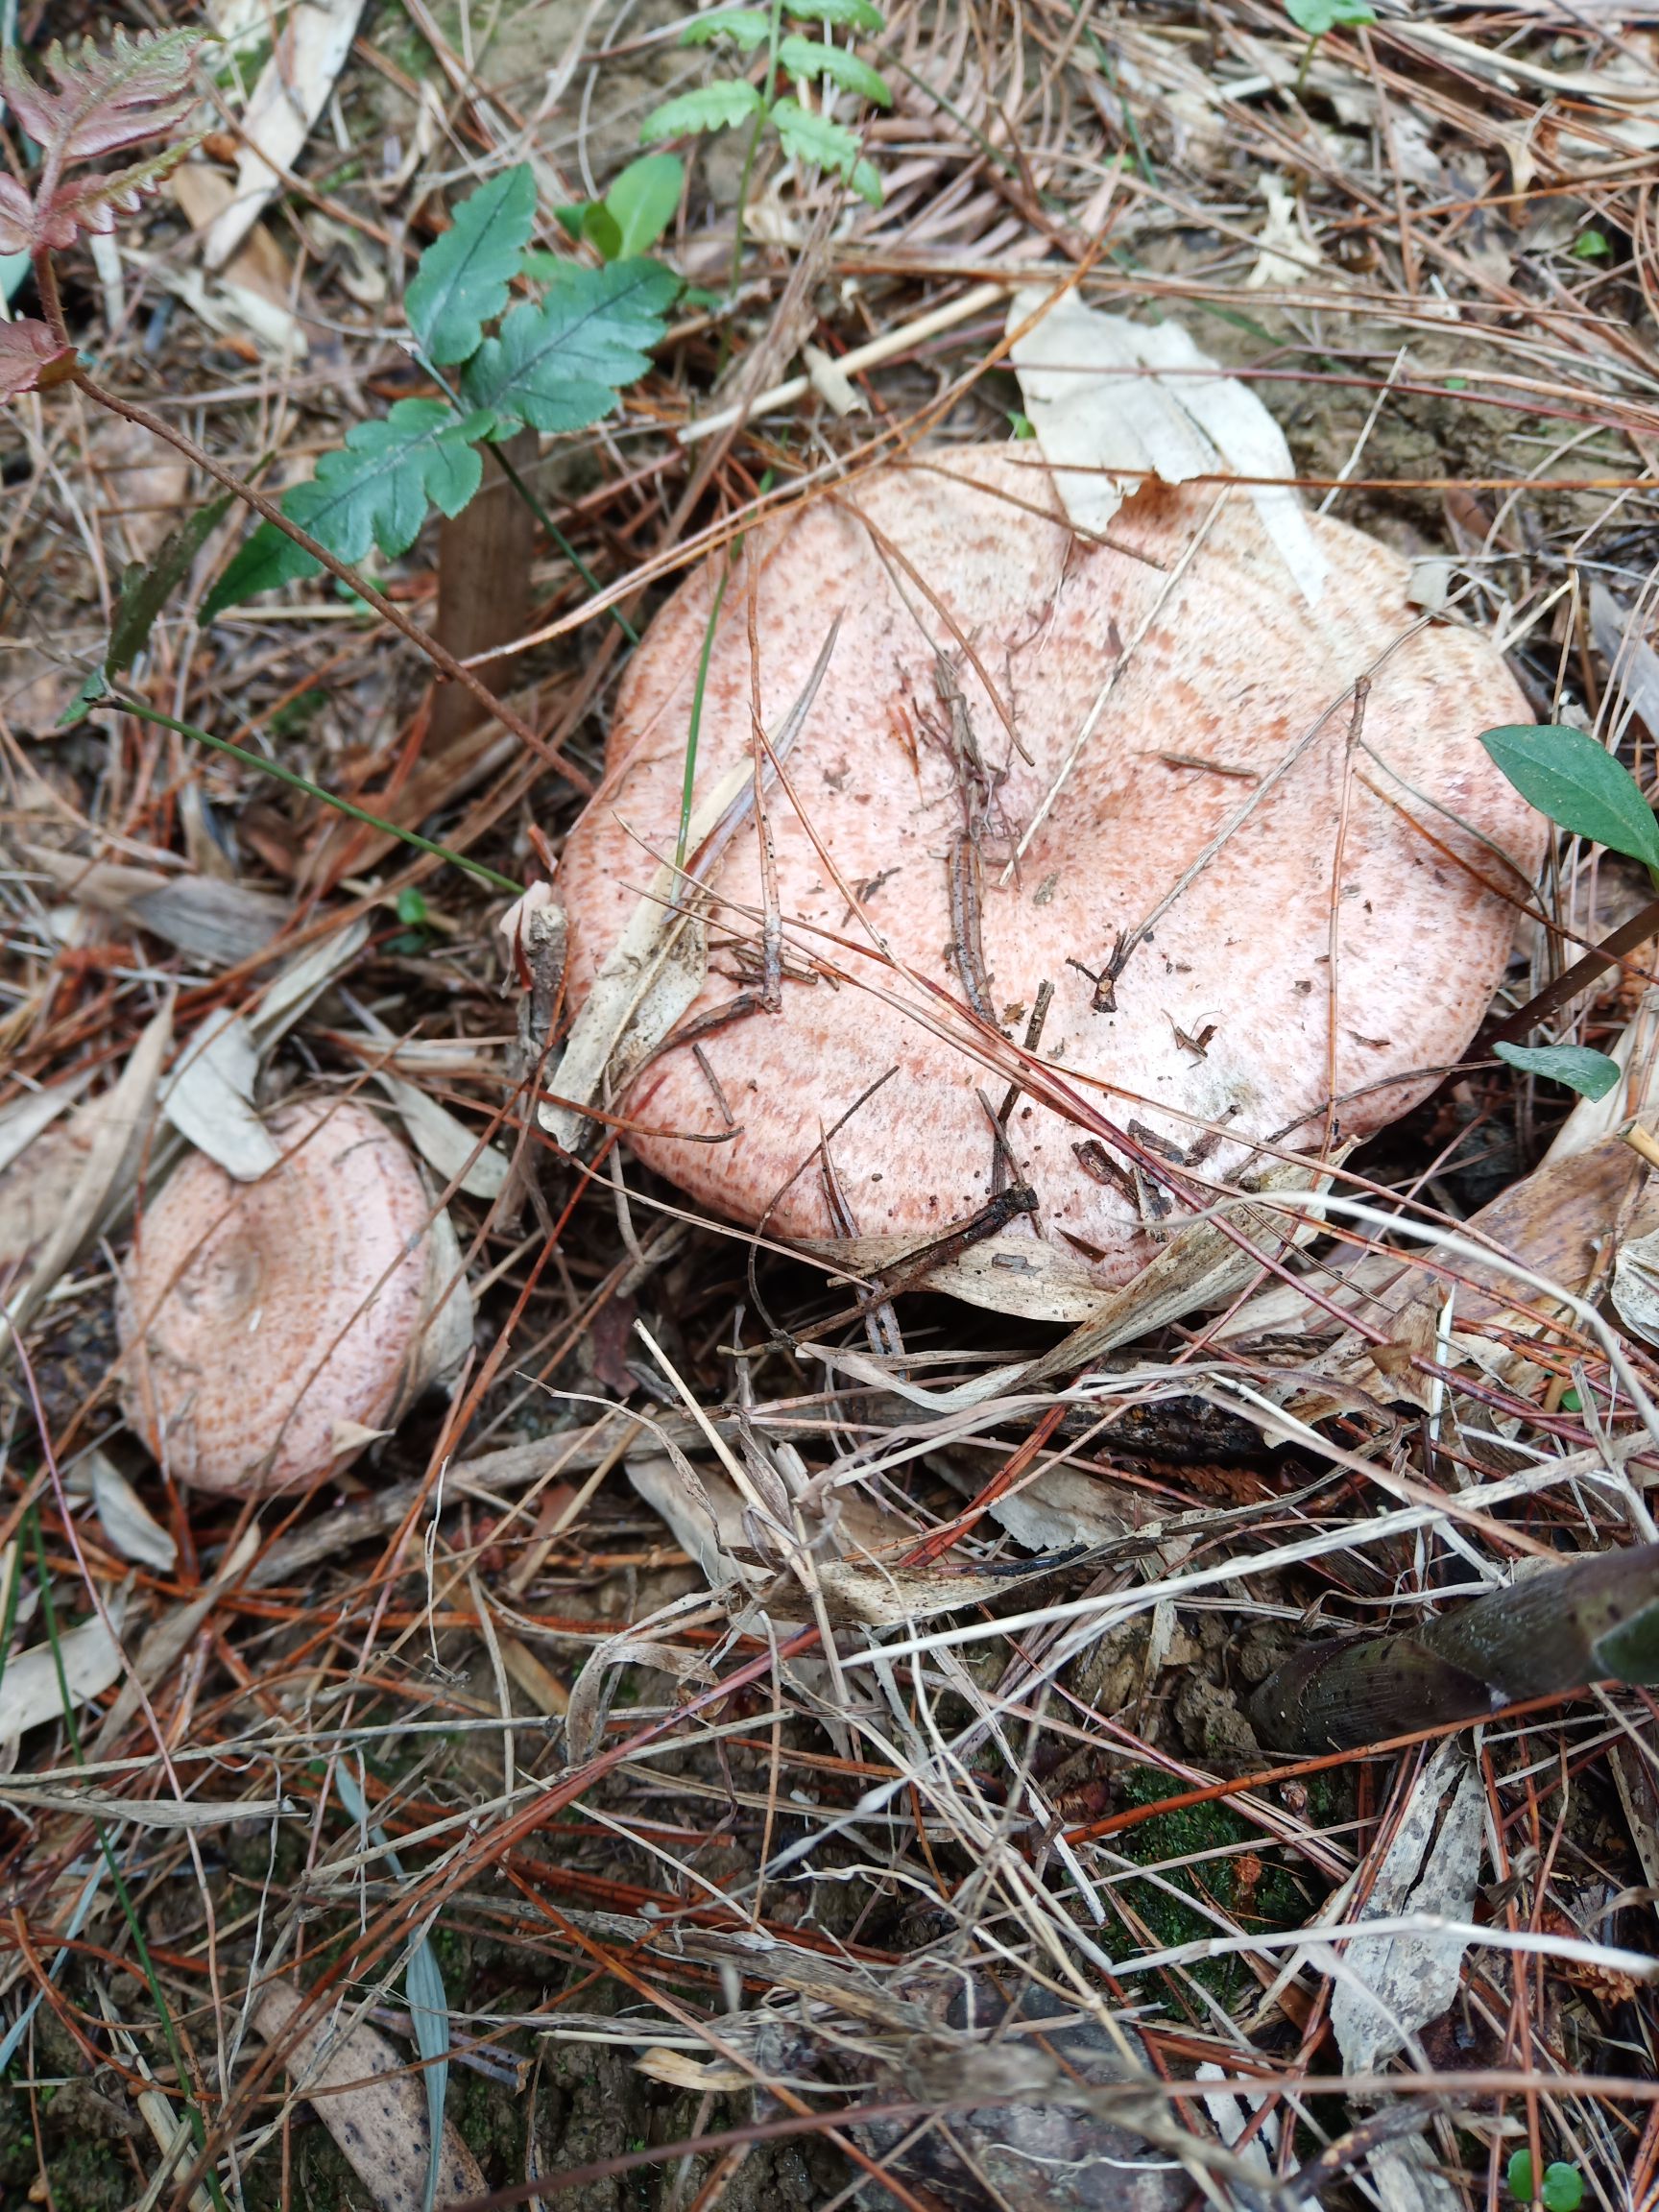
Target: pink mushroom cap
[(1346, 938), (268, 1329)]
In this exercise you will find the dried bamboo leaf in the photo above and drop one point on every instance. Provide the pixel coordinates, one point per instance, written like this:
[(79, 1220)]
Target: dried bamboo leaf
[(370, 2102)]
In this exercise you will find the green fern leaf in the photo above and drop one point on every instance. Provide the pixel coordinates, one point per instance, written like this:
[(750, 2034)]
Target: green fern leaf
[(558, 366), (372, 491), (709, 108), (842, 14), (826, 145), (807, 57), (462, 278), (749, 27)]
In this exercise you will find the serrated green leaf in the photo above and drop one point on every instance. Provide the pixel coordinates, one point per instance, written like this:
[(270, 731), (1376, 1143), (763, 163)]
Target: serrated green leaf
[(1566, 775), (826, 145), (372, 491), (464, 275), (709, 108), (560, 366), (1317, 17), (643, 201), (841, 15), (1590, 1074), (748, 26), (807, 57), (146, 589)]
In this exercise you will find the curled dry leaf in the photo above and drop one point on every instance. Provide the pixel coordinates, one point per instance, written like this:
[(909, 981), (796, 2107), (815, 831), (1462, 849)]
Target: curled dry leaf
[(268, 1328), (31, 358), (370, 2101), (1150, 724)]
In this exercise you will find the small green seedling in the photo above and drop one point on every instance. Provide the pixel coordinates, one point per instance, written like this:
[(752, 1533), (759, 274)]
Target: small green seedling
[(1582, 788), (1591, 246), (807, 135), (632, 215), (1562, 2189), (1318, 16)]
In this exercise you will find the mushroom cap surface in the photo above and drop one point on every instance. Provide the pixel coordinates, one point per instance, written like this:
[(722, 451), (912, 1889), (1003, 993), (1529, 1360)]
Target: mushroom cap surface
[(1352, 927), (265, 1325)]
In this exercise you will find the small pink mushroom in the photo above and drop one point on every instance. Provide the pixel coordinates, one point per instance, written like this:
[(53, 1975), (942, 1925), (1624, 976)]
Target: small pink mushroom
[(1038, 739), (270, 1328)]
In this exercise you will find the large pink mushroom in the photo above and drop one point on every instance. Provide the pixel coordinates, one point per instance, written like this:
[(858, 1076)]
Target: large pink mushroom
[(270, 1328), (1038, 742)]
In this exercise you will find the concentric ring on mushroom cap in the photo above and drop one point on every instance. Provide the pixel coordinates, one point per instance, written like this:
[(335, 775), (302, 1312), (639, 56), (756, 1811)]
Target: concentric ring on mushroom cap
[(1232, 1014), (265, 1324)]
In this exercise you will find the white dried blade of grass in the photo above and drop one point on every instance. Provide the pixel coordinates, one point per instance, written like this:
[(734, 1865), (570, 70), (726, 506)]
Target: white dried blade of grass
[(1114, 401), (363, 2092), (1389, 1987), (163, 1814), (290, 94), (86, 1660)]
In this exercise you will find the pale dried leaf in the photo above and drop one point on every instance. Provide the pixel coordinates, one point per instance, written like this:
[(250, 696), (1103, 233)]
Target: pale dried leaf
[(445, 1142), (1636, 1287), (127, 1522), (1392, 1985), (210, 1098), (32, 1690), (1115, 401), (291, 93), (370, 2101), (712, 2078), (23, 1118), (120, 1125), (1008, 1273)]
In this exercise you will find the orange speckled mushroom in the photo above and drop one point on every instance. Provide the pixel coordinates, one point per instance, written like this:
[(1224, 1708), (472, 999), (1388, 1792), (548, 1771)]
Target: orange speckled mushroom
[(1353, 927), (266, 1326)]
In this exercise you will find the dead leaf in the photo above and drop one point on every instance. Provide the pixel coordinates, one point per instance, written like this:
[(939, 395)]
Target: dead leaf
[(1392, 1985), (32, 1688), (1115, 401), (370, 2101), (291, 93)]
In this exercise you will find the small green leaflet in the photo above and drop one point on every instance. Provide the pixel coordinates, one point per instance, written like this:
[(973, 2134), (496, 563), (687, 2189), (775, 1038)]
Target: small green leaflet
[(1567, 775), (747, 26), (842, 14), (558, 367), (632, 215), (709, 108), (1591, 1073), (146, 590), (462, 278), (805, 58), (374, 491), (825, 145), (1563, 2189), (1317, 17)]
